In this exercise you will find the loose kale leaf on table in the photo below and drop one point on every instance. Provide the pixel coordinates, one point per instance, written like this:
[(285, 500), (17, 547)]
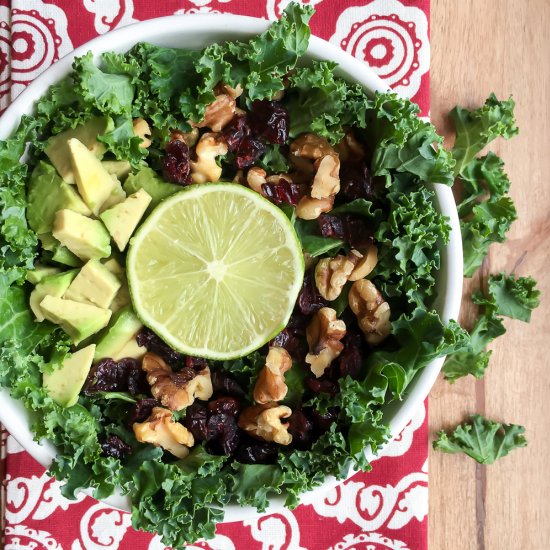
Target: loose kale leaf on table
[(482, 439)]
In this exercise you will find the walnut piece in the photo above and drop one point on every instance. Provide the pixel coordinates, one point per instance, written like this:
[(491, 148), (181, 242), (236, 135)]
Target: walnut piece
[(310, 209), (205, 168), (311, 146), (365, 262), (142, 129), (218, 113), (327, 178), (222, 88), (255, 178), (331, 274), (270, 385), (190, 138), (323, 337), (264, 422), (314, 157), (372, 312), (161, 430), (176, 390)]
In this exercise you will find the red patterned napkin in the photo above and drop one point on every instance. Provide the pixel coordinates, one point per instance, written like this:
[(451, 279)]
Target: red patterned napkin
[(384, 509)]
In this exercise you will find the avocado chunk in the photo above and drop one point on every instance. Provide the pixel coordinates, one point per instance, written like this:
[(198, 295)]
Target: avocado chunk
[(118, 168), (54, 251), (34, 276), (148, 180), (54, 285), (57, 149), (122, 219), (48, 193), (78, 320), (123, 295), (65, 383), (94, 284), (117, 196), (123, 327), (131, 350), (94, 183), (86, 238)]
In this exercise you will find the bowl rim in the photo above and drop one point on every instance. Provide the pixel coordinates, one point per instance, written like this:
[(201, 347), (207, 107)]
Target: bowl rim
[(12, 413)]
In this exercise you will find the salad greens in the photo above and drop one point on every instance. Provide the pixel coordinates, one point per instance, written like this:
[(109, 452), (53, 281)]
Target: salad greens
[(182, 500), (482, 439), (506, 297)]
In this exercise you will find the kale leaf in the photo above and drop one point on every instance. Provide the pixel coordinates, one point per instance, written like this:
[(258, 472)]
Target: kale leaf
[(482, 439)]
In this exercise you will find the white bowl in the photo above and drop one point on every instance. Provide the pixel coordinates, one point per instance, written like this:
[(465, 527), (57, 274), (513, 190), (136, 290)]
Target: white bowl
[(195, 32)]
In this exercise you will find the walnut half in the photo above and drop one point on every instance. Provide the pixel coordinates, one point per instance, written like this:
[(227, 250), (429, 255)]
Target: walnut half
[(372, 312), (161, 430), (331, 274), (264, 422), (271, 385), (323, 337), (176, 390), (205, 168)]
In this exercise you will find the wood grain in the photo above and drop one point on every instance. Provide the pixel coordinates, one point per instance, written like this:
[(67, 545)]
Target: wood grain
[(480, 46)]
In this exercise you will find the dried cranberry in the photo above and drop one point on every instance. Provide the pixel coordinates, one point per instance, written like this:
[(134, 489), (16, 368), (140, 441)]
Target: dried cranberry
[(322, 422), (176, 166), (142, 410), (286, 339), (322, 385), (331, 226), (356, 181), (250, 149), (195, 363), (270, 120), (357, 232), (153, 343), (115, 447), (251, 451), (223, 434), (309, 300), (283, 192), (351, 358), (123, 375), (223, 383), (225, 405), (196, 419), (235, 131), (301, 429), (183, 376)]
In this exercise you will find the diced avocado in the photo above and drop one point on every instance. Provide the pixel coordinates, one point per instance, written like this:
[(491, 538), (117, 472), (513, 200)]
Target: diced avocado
[(122, 298), (118, 168), (78, 320), (54, 251), (86, 238), (115, 268), (65, 383), (123, 327), (117, 196), (94, 183), (94, 284), (35, 275), (48, 193), (122, 219), (147, 179), (58, 149), (54, 285), (132, 350)]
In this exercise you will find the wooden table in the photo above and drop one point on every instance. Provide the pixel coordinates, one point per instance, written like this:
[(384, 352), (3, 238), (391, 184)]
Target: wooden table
[(480, 46)]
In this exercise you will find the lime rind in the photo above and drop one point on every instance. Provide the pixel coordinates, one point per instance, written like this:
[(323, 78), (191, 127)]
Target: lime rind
[(285, 276)]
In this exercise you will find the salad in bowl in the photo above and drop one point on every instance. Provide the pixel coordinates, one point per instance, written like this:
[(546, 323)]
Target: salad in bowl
[(223, 271)]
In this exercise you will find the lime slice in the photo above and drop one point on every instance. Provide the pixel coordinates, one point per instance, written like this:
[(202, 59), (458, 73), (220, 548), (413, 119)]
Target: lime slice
[(215, 270)]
